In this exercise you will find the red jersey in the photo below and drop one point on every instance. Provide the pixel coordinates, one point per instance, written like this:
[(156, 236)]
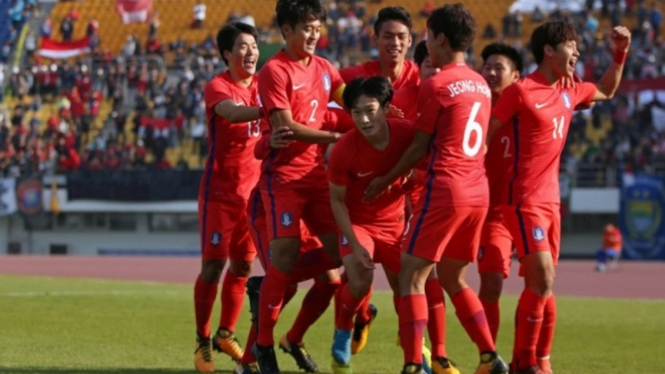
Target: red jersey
[(499, 165), (409, 76), (305, 91), (454, 107), (406, 99), (354, 163), (539, 115), (231, 169)]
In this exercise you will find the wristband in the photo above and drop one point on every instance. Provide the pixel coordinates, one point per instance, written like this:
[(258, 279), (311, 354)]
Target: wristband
[(620, 57)]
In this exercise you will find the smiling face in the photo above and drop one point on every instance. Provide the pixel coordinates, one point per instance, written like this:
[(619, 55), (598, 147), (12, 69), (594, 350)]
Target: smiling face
[(563, 58), (244, 56), (301, 41), (393, 41), (369, 116), (499, 72)]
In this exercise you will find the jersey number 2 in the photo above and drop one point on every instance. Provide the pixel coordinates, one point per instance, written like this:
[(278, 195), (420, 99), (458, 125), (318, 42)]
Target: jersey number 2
[(472, 127), (314, 104)]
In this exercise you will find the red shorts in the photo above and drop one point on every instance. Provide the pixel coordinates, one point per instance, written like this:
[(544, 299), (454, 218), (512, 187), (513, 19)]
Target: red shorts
[(224, 231), (287, 206), (535, 227), (256, 220), (496, 245), (451, 232), (383, 245)]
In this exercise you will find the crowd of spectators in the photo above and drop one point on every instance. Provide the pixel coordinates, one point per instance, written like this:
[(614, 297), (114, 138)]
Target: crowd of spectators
[(155, 108)]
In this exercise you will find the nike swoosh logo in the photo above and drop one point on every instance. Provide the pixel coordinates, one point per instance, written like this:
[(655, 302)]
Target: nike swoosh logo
[(295, 88), (364, 174), (538, 106)]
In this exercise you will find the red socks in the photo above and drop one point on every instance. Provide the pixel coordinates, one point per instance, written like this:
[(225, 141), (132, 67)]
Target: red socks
[(204, 299), (436, 324), (493, 317), (471, 314), (233, 296), (270, 304), (346, 308), (313, 306), (530, 310), (412, 321), (364, 315), (544, 346)]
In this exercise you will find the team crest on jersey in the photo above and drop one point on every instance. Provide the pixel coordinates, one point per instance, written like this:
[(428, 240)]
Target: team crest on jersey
[(215, 238), (345, 241), (538, 234), (566, 100), (327, 84), (287, 219)]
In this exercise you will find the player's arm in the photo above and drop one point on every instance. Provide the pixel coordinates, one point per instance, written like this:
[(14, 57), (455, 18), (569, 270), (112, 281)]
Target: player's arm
[(237, 113), (284, 118), (337, 95), (341, 213), (609, 82), (276, 140), (505, 109), (416, 151)]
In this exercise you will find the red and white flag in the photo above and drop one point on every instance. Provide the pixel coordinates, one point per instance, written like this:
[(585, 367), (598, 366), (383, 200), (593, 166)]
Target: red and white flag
[(133, 10), (60, 50)]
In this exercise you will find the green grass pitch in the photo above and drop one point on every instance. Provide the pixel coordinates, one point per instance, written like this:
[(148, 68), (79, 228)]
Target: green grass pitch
[(55, 325)]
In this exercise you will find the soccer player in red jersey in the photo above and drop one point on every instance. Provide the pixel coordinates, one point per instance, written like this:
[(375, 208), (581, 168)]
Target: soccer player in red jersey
[(539, 111), (454, 107), (371, 232), (295, 87), (392, 37), (233, 111), (502, 66)]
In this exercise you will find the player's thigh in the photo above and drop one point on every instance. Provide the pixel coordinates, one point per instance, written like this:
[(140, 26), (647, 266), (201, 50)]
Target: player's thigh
[(465, 225), (317, 213), (554, 233), (496, 248), (360, 278), (216, 228), (428, 235), (388, 247), (242, 247), (529, 225), (284, 208)]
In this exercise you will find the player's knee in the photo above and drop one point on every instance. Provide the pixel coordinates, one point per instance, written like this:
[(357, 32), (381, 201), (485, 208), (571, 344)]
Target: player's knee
[(541, 284), (241, 268), (211, 270), (491, 285)]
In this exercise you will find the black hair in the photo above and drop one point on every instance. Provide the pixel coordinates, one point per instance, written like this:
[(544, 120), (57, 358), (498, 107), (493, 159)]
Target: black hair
[(290, 12), (551, 33), (392, 13), (456, 22), (227, 35), (376, 87), (421, 53), (503, 50)]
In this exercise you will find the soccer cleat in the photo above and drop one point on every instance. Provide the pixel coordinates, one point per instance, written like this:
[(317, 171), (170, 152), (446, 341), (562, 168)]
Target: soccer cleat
[(226, 342), (203, 361), (361, 332), (491, 363), (266, 358), (545, 365), (251, 368), (341, 347), (300, 354), (253, 290), (426, 358), (413, 369), (442, 365)]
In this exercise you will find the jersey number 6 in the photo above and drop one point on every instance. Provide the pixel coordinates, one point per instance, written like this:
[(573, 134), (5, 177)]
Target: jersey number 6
[(473, 127)]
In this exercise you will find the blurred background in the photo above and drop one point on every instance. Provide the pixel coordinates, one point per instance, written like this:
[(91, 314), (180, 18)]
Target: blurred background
[(102, 121)]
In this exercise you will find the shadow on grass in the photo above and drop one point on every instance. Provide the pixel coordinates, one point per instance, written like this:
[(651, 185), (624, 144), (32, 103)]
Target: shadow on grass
[(109, 371)]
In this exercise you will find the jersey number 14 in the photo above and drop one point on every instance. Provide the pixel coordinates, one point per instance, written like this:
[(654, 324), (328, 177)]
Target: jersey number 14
[(558, 128)]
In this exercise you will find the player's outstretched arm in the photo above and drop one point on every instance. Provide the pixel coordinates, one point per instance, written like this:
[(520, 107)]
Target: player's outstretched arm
[(237, 113), (341, 213), (609, 82), (416, 151), (284, 118)]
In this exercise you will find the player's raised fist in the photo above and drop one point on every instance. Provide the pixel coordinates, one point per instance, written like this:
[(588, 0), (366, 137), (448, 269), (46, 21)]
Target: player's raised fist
[(621, 38)]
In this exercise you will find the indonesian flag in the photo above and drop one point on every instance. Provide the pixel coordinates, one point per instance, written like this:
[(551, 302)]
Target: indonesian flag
[(62, 50), (133, 10)]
